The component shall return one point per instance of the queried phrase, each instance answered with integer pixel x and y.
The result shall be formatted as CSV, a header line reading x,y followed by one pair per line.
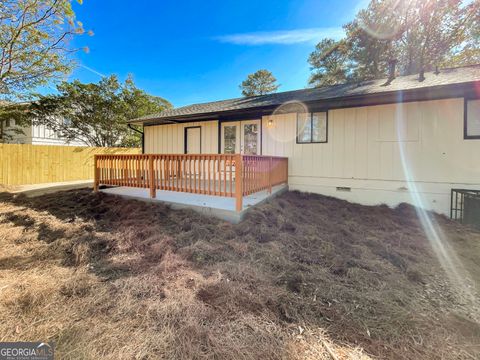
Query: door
x,y
241,137
250,137
193,140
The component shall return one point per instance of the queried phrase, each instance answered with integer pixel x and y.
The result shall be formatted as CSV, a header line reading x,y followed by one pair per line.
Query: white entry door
x,y
193,140
241,137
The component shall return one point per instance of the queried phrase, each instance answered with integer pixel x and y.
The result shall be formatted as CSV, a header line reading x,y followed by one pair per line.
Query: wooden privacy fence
x,y
22,164
209,174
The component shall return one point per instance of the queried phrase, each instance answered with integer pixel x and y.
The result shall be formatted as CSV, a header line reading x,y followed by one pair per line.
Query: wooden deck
x,y
209,174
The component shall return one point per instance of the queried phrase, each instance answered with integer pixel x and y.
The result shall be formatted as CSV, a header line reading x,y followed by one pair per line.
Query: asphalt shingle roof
x,y
448,76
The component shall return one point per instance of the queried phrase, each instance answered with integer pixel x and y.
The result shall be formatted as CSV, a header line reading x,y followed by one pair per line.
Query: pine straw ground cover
x,y
303,277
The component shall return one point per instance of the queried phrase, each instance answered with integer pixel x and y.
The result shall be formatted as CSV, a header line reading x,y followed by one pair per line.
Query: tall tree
x,y
434,30
369,39
469,53
419,34
34,48
34,42
260,82
329,63
97,114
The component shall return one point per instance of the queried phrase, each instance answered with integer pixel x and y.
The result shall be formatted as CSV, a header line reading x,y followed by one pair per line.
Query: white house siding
x,y
409,152
169,139
41,135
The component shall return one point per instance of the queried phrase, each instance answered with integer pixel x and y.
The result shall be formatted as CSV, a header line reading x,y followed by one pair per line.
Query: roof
x,y
444,78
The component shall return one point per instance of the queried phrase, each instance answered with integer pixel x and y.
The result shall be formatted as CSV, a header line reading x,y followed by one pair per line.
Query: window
x,y
472,119
312,127
250,139
230,139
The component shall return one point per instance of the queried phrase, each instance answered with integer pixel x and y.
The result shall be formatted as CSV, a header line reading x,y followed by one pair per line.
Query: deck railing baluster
x,y
211,174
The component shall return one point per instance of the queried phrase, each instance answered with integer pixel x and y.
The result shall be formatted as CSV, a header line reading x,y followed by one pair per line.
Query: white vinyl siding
x,y
411,152
384,153
170,139
472,121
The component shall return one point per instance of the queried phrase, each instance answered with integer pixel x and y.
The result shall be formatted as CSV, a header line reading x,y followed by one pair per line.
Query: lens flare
x,y
380,31
387,27
446,255
278,130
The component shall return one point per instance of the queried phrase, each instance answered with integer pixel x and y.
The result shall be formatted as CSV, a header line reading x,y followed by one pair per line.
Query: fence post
x,y
238,182
96,173
151,177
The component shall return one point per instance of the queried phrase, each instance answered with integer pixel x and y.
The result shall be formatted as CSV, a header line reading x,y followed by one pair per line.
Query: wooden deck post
x,y
270,169
151,177
238,183
286,170
96,173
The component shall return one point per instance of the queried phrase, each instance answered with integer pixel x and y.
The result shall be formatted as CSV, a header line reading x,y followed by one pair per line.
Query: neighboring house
x,y
381,141
38,135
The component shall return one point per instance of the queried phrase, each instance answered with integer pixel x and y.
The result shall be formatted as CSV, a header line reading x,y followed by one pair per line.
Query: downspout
x,y
140,132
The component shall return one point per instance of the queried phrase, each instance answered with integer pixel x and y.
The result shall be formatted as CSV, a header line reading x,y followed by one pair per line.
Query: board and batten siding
x,y
409,152
170,139
40,135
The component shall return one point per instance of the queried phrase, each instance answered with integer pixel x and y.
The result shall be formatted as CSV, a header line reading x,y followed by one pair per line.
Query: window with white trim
x,y
472,119
312,127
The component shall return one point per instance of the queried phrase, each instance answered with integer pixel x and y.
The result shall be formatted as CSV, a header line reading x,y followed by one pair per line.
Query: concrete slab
x,y
47,188
218,206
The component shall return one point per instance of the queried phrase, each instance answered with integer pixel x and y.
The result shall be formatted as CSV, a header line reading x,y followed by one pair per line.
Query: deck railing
x,y
209,174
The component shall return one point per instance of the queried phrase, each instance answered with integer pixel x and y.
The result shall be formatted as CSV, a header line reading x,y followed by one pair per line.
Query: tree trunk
x,y
1,131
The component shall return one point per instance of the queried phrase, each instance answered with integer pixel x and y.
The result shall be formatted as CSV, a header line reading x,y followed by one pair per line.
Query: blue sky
x,y
196,51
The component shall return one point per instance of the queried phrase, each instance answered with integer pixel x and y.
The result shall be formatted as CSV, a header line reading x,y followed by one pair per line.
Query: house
x,y
33,134
36,134
381,141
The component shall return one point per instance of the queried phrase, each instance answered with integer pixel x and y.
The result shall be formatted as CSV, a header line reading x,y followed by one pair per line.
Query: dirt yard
x,y
303,277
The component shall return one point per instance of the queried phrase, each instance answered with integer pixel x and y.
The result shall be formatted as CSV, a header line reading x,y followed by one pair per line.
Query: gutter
x,y
140,132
